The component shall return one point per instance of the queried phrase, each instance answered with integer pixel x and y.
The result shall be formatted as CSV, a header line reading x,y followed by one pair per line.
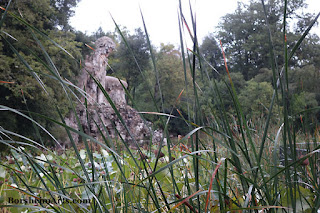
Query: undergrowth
x,y
226,163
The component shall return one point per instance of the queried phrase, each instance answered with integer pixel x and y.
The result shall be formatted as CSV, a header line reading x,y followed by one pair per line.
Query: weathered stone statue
x,y
99,111
96,64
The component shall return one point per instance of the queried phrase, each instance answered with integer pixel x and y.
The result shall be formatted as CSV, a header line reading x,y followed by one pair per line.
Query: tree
x,y
222,85
212,54
41,14
244,34
255,98
130,66
172,82
239,33
171,74
64,10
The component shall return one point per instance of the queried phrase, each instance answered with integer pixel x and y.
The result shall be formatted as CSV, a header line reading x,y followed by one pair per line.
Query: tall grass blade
x,y
3,17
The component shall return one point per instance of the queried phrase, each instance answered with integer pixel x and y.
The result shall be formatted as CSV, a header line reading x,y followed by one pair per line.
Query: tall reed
x,y
223,171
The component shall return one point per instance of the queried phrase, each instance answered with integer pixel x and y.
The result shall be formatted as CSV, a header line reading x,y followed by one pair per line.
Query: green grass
x,y
214,168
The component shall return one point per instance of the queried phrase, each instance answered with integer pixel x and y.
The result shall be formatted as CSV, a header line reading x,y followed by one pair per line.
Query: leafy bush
x,y
225,163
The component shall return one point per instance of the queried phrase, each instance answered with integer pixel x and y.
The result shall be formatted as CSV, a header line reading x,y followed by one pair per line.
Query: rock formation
x,y
99,112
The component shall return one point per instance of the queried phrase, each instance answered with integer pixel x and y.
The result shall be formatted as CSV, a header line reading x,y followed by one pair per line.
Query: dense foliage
x,y
246,119
242,33
25,92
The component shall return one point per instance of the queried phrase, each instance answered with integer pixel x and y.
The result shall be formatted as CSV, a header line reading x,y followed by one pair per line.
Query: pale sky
x,y
161,16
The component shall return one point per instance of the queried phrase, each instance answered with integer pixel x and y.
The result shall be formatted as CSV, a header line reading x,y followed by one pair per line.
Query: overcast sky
x,y
160,16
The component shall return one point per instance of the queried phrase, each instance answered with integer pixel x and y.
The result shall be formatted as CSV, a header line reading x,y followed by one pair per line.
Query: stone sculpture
x,y
100,112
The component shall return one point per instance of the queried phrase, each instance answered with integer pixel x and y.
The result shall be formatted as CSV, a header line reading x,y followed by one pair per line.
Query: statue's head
x,y
104,45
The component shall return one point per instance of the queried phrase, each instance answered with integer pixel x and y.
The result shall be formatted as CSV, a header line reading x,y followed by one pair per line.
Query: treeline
x,y
156,76
31,88
245,36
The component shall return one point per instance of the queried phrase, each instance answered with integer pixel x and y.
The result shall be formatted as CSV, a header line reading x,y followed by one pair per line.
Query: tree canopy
x,y
25,93
244,35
